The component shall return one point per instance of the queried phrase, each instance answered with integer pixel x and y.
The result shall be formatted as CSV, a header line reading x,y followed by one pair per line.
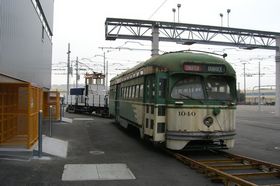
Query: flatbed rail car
x,y
92,98
180,99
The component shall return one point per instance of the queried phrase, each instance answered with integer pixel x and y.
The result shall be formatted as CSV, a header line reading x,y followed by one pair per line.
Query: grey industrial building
x,y
26,30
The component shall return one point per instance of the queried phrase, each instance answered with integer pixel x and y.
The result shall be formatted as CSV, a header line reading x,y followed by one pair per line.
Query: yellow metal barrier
x,y
19,107
51,98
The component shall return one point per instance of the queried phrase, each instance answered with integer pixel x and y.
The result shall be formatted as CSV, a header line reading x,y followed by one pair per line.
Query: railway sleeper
x,y
215,169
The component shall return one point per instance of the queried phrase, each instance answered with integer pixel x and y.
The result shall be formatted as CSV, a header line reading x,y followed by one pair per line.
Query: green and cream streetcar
x,y
181,99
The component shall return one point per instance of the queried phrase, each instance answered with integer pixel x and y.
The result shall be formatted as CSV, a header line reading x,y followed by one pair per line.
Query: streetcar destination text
x,y
204,68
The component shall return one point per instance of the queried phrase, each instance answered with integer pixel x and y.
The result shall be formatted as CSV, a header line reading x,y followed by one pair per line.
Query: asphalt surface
x,y
258,133
101,141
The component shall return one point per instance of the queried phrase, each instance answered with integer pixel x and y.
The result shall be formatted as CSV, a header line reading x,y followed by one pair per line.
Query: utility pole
x,y
77,72
106,76
104,72
244,71
259,105
68,72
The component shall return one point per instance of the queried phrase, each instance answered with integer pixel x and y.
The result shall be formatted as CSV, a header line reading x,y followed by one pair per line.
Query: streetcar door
x,y
155,100
161,88
160,108
149,102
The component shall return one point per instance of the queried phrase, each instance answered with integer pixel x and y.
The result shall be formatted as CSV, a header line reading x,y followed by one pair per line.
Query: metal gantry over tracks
x,y
233,169
188,34
183,33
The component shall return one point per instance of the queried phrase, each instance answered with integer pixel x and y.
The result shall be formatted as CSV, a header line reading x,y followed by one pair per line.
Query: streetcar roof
x,y
174,62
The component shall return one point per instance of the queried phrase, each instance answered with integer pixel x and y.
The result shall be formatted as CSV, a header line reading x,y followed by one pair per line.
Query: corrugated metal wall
x,y
47,5
25,52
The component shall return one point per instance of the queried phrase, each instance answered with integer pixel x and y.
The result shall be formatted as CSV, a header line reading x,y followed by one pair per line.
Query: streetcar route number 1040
x,y
189,113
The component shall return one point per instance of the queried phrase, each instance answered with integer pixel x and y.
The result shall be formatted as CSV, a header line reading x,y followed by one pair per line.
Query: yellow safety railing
x,y
19,107
51,98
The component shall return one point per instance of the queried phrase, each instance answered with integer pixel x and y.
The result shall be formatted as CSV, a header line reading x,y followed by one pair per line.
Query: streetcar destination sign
x,y
204,68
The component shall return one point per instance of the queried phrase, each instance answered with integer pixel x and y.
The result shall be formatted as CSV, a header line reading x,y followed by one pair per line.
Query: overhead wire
x,y
157,9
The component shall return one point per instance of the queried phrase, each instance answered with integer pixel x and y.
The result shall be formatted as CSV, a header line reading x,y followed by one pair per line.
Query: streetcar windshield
x,y
188,88
217,88
199,88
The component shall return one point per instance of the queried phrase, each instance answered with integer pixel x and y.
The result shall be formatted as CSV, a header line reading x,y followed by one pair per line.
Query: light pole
x,y
105,81
179,6
77,72
221,15
228,11
174,11
244,71
259,105
68,72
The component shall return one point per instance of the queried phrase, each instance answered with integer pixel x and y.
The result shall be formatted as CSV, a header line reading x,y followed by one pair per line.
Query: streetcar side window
x,y
137,91
141,91
153,90
148,89
162,88
126,92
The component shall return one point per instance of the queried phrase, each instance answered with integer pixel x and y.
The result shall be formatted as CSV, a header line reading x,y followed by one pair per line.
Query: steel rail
x,y
215,168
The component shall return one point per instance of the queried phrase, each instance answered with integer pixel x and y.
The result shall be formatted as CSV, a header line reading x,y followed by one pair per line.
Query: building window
x,y
147,123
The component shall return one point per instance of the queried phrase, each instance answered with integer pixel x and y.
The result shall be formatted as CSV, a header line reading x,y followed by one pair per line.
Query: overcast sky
x,y
81,22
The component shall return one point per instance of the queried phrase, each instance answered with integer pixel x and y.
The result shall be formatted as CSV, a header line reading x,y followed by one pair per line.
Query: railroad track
x,y
232,169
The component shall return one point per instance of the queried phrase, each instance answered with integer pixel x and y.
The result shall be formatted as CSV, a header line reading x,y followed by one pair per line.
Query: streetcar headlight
x,y
208,121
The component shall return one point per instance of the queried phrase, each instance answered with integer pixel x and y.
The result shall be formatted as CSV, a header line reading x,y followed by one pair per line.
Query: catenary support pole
x,y
77,72
155,41
277,59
